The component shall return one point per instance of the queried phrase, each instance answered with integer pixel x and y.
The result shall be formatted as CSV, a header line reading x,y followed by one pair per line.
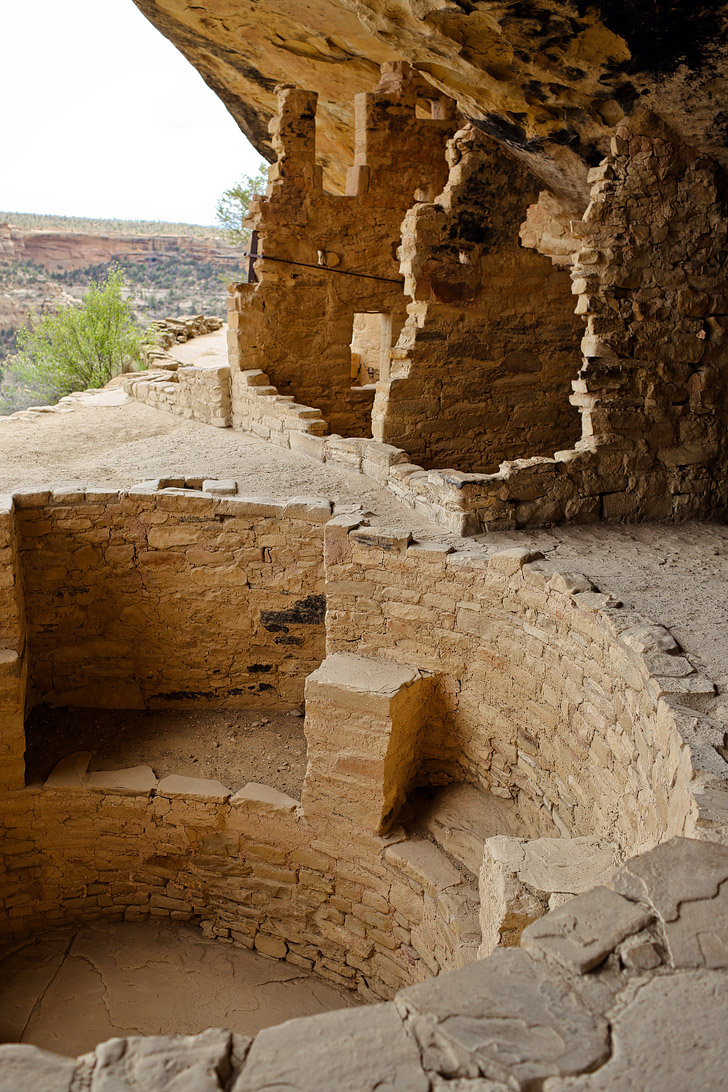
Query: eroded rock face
x,y
548,78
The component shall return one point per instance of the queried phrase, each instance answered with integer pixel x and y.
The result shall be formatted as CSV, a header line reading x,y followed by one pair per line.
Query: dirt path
x,y
207,351
110,440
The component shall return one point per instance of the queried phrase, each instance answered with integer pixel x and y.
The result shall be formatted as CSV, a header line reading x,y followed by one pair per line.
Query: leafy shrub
x,y
80,347
232,208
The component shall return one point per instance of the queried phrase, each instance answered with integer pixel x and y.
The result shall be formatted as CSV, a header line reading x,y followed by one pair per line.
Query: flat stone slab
x,y
462,817
157,1063
670,1037
315,509
264,799
70,772
581,934
566,866
424,863
27,1068
223,487
684,881
206,789
361,682
350,1051
136,779
507,1018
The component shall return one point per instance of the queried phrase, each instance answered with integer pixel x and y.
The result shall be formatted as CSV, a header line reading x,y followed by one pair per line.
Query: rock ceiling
x,y
547,78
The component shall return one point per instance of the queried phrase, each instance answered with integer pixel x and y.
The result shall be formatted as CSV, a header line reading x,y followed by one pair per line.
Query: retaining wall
x,y
195,392
171,598
549,690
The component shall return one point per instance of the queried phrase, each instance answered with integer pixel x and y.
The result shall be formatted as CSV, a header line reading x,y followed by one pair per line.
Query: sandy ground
x,y
674,574
109,440
233,746
207,351
73,988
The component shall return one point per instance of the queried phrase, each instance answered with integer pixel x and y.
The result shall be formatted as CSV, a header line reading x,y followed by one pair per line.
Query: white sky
x,y
102,117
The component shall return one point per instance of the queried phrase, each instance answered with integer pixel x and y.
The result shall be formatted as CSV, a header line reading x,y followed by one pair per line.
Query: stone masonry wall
x,y
650,277
171,598
525,680
192,392
296,322
624,988
483,370
549,691
367,912
13,653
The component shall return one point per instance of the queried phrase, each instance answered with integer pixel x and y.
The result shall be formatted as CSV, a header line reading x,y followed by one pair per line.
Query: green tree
x,y
232,208
80,346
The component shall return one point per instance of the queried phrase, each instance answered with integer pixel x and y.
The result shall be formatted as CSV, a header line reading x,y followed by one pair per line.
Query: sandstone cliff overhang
x,y
548,78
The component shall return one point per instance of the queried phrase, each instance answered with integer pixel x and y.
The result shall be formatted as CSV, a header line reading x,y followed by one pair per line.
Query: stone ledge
x,y
135,781
264,800
204,789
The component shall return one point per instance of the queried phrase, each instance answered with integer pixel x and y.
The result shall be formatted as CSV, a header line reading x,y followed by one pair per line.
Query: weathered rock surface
x,y
547,78
518,1020
521,878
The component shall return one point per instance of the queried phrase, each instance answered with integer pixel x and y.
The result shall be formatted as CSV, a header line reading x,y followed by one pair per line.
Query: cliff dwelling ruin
x,y
406,604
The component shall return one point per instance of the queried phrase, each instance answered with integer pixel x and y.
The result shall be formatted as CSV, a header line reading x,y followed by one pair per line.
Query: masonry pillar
x,y
364,720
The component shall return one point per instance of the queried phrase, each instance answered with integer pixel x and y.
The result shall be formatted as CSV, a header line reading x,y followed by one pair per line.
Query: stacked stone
x,y
573,714
592,712
483,369
187,598
175,331
364,911
13,653
196,393
650,276
296,322
260,409
589,1005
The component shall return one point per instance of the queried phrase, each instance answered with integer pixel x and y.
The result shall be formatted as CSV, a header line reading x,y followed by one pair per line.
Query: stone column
x,y
364,720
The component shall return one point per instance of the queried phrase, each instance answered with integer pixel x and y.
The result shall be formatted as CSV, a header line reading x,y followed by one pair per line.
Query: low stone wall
x,y
550,691
258,408
192,392
175,331
364,911
592,1003
172,597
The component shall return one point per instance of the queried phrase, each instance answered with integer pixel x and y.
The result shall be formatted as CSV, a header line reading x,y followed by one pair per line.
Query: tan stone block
x,y
205,790
264,800
135,780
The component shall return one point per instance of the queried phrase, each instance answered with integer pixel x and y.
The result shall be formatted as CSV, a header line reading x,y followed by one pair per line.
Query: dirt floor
x,y
232,746
73,988
109,440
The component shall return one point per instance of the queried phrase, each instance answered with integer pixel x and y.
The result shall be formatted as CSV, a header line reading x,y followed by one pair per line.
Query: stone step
x,y
460,817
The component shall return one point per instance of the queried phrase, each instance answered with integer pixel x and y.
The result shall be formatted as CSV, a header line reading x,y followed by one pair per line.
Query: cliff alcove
x,y
496,329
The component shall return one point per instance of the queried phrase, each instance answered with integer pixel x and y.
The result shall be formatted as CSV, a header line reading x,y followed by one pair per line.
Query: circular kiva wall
x,y
564,714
